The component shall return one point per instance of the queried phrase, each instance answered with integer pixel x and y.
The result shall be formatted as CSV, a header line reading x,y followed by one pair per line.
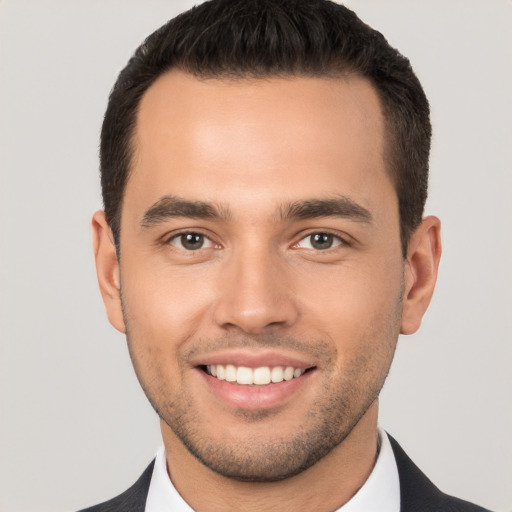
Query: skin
x,y
258,288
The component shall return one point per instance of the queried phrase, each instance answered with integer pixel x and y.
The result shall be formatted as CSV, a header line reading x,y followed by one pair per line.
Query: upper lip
x,y
255,359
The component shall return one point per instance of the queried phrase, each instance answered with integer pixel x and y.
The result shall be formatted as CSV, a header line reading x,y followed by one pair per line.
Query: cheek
x,y
162,307
354,303
161,313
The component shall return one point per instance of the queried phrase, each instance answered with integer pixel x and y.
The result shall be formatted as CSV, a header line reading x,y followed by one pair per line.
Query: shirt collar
x,y
380,492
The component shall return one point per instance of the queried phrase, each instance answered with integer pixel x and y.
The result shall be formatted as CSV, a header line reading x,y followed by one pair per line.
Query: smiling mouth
x,y
260,376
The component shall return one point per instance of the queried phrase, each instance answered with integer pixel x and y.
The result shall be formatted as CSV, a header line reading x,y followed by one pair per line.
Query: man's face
x,y
260,241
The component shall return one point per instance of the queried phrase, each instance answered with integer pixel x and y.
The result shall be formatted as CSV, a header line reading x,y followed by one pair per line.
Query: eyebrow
x,y
169,207
340,206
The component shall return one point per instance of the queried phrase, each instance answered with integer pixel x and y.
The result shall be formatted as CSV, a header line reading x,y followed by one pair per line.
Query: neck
x,y
326,486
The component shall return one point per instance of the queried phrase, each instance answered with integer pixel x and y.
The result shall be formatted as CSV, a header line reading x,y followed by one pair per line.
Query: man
x,y
264,172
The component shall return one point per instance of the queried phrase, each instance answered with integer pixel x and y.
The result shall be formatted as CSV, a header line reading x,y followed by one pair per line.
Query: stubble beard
x,y
330,421
342,402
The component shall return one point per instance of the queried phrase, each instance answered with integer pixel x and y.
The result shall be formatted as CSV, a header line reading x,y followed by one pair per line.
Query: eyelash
x,y
336,237
212,245
179,236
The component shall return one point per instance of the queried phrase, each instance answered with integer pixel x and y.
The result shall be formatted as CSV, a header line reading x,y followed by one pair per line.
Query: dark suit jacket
x,y
417,492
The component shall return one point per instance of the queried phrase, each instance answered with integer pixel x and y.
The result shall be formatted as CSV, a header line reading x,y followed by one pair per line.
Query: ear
x,y
107,269
423,255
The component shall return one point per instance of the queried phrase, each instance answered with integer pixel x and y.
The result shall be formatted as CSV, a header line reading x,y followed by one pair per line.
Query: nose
x,y
255,294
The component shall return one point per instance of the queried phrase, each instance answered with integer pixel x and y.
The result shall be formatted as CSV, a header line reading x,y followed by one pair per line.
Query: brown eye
x,y
191,241
320,241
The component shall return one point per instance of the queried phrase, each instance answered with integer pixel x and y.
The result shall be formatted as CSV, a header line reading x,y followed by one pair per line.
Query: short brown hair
x,y
262,38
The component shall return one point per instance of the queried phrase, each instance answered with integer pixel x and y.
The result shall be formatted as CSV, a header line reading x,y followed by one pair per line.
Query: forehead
x,y
280,138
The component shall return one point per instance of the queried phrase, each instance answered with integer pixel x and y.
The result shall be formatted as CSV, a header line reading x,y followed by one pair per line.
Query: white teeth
x,y
262,375
288,373
244,375
277,374
230,373
254,376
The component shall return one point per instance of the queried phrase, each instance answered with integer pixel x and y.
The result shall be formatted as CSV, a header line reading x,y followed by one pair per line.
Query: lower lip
x,y
255,397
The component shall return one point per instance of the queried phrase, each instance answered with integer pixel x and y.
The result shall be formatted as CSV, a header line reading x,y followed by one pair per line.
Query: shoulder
x,y
131,500
419,494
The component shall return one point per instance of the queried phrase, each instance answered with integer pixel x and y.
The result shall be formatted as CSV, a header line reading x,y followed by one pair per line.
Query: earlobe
x,y
107,270
424,253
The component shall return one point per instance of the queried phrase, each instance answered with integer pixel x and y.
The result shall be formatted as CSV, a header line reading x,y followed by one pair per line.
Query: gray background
x,y
75,427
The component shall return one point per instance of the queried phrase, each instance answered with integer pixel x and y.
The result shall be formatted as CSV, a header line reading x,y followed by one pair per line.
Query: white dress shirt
x,y
380,492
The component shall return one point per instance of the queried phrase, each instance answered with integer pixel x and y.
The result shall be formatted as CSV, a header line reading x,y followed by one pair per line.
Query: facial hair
x,y
346,394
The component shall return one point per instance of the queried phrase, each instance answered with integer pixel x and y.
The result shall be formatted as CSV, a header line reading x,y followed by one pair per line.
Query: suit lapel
x,y
132,500
417,492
